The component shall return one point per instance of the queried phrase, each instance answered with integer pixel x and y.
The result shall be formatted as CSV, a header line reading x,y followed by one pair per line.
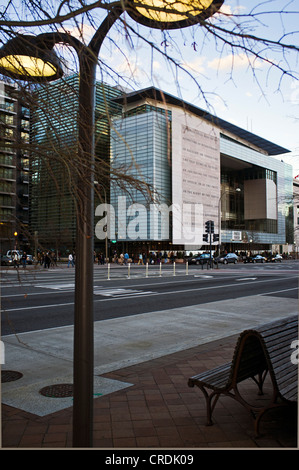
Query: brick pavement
x,y
159,411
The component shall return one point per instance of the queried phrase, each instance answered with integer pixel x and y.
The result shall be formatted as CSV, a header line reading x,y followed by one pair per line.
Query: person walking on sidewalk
x,y
15,260
71,260
47,261
24,260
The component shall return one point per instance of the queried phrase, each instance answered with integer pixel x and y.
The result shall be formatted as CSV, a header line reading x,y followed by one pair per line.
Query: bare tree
x,y
231,29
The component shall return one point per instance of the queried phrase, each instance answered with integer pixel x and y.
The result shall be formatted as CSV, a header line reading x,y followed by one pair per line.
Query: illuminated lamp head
x,y
171,14
27,58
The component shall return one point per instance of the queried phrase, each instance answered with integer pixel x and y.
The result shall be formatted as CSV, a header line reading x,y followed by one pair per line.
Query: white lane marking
x,y
120,292
155,294
55,286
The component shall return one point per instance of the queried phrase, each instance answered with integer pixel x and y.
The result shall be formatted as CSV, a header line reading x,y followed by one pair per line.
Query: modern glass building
x,y
14,168
140,145
202,168
54,137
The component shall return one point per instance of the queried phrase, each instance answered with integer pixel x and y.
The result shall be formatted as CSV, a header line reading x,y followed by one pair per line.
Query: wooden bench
x,y
258,352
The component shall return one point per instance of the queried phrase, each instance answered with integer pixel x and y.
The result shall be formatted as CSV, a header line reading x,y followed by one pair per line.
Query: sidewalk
x,y
158,411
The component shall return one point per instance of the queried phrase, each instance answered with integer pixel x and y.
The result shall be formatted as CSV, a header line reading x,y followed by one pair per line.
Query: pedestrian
x,y
126,257
140,259
15,260
24,259
71,260
53,259
47,260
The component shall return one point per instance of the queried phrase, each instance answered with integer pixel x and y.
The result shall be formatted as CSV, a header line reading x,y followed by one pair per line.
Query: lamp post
x,y
106,238
33,58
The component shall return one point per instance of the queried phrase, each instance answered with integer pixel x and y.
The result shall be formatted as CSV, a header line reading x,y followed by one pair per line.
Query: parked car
x,y
10,254
274,258
258,259
29,259
5,260
228,258
201,259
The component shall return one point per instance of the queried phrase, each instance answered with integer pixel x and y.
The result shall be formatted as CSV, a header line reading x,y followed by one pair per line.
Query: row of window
x,y
8,173
7,106
6,200
7,187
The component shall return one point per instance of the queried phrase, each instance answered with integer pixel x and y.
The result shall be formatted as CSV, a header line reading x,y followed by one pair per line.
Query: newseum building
x,y
192,167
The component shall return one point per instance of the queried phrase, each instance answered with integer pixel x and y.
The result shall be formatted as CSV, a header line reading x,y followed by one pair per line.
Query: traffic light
x,y
209,226
215,237
205,237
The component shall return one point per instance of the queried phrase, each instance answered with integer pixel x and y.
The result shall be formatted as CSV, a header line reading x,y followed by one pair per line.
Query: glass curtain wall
x,y
54,134
140,144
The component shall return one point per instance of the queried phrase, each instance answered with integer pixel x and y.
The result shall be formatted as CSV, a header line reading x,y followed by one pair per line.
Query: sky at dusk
x,y
231,83
235,86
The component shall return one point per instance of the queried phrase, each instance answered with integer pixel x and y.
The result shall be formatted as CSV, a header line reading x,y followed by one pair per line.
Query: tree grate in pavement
x,y
57,391
10,376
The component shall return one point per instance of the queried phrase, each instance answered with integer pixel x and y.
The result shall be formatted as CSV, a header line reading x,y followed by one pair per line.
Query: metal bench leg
x,y
211,400
260,381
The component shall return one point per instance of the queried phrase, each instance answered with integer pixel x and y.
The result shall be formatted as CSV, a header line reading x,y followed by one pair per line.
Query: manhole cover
x,y
57,391
10,375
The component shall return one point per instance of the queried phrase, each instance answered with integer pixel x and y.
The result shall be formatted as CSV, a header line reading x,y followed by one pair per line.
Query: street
x,y
36,299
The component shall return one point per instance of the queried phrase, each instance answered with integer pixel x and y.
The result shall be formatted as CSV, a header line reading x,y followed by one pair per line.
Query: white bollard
x,y
174,268
146,270
187,267
160,268
129,270
108,271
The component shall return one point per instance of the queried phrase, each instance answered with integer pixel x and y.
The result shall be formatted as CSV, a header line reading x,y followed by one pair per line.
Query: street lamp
x,y
33,58
106,237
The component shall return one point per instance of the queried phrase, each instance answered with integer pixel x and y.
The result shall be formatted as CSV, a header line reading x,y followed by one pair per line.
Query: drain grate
x,y
57,391
10,375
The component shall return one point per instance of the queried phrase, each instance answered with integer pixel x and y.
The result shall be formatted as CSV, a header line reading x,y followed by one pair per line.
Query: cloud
x,y
233,61
83,32
195,66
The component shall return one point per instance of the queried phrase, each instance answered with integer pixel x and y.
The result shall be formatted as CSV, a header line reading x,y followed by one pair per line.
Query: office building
x,y
14,168
204,168
54,132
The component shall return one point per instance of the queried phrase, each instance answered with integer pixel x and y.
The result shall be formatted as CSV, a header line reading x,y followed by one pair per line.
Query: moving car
x,y
228,258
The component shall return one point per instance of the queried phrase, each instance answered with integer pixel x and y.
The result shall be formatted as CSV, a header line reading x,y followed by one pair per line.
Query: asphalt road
x,y
37,299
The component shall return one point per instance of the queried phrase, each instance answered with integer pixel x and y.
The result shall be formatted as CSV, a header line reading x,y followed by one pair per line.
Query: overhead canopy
x,y
154,93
